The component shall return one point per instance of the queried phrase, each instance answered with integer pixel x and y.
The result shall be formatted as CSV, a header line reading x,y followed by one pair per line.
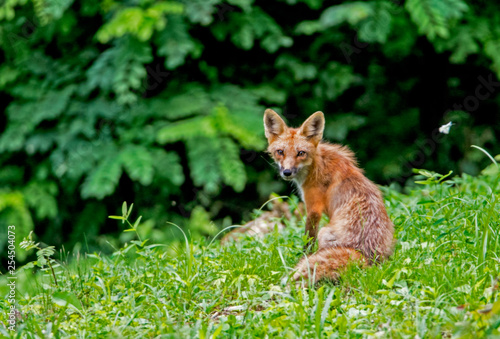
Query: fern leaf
x,y
242,125
138,163
186,129
335,79
103,179
50,10
139,22
491,48
200,11
23,118
377,27
248,27
231,167
352,13
433,17
192,101
121,70
8,75
168,166
8,9
175,43
41,197
202,153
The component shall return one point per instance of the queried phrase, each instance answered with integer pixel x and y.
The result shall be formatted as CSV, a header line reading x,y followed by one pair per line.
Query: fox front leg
x,y
312,223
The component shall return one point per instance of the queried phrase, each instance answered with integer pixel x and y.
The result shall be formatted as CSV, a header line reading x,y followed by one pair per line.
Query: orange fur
x,y
330,182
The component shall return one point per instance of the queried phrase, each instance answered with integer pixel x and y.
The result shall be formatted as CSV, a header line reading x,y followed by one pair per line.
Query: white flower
x,y
445,128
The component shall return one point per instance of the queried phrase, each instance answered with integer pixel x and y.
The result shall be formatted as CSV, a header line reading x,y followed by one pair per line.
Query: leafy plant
x,y
44,256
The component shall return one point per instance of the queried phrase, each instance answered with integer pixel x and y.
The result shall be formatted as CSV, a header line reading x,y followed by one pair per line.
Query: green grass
x,y
442,281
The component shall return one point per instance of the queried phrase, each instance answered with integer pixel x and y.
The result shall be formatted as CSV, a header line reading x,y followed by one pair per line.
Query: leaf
x,y
203,153
269,94
186,129
50,10
301,71
391,281
120,69
239,125
168,166
231,167
103,179
339,127
175,43
200,12
491,48
309,27
138,163
376,28
42,197
462,43
137,21
248,27
192,101
200,224
352,12
137,222
14,211
434,17
8,74
65,299
335,79
117,217
124,209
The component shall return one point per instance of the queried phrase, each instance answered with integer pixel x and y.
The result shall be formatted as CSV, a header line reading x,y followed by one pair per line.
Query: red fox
x,y
329,181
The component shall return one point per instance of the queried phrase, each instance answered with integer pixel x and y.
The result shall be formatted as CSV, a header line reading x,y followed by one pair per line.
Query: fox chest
x,y
316,199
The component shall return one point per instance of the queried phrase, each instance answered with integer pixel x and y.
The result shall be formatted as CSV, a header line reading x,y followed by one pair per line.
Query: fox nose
x,y
287,172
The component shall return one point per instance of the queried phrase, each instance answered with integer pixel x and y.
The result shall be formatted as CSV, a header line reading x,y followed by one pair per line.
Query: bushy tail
x,y
327,263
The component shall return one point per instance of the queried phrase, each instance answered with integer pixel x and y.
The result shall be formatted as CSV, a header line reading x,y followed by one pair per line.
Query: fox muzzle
x,y
288,173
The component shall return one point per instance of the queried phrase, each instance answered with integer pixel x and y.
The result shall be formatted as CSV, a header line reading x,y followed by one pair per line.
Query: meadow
x,y
441,282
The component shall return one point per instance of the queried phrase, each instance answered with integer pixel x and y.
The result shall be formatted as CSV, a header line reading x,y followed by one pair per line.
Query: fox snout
x,y
288,173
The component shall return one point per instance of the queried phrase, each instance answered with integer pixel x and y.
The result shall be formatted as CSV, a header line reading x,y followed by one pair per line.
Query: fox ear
x,y
313,127
273,124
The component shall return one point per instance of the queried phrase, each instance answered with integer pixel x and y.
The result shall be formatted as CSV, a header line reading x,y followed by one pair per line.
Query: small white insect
x,y
445,129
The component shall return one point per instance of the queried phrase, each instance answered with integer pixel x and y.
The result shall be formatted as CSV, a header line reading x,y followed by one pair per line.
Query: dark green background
x,y
160,103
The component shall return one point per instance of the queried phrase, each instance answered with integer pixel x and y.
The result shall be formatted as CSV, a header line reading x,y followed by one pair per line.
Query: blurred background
x,y
160,104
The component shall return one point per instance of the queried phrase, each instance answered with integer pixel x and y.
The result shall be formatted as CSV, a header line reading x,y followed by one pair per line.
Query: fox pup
x,y
329,181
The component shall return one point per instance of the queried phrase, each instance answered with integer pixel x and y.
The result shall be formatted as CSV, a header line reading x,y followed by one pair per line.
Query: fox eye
x,y
301,153
280,152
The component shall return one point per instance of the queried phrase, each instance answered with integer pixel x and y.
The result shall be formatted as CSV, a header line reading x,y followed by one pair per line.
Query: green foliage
x,y
441,281
7,11
220,118
120,70
103,179
251,26
44,256
138,163
372,20
175,43
163,100
138,22
434,18
50,10
14,211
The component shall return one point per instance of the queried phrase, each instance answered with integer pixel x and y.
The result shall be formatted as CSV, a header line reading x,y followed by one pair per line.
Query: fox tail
x,y
327,263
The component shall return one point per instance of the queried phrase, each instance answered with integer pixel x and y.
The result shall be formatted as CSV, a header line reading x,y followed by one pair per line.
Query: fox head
x,y
293,149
